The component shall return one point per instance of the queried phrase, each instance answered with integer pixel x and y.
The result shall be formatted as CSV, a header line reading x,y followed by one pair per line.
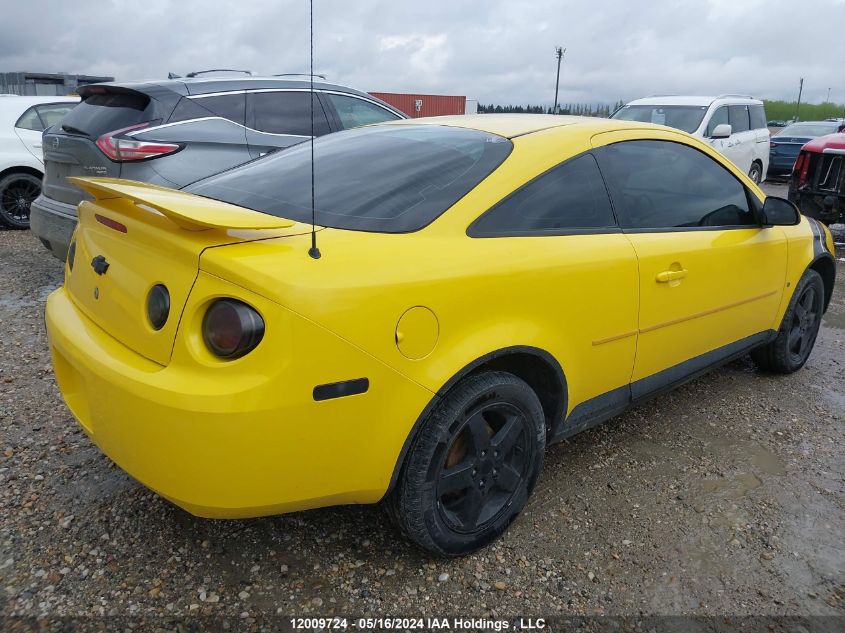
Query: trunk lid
x,y
133,236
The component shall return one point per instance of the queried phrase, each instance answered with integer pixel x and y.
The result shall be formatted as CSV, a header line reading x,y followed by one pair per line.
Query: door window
x,y
739,119
719,116
665,185
288,113
354,112
569,196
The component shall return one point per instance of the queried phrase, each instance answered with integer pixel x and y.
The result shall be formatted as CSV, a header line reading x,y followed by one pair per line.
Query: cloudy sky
x,y
495,51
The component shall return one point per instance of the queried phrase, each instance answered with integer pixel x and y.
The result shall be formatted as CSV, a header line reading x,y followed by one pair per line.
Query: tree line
x,y
579,109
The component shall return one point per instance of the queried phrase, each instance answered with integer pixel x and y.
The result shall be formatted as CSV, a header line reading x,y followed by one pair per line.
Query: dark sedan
x,y
786,144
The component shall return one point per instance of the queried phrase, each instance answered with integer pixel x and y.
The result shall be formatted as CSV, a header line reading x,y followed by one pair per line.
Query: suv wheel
x,y
798,330
756,172
17,191
472,466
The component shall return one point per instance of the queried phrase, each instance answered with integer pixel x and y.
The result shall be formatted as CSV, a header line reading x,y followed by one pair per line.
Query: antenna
x,y
314,252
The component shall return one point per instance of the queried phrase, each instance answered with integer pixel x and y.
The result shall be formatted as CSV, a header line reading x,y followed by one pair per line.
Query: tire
x,y
756,172
798,330
457,492
17,191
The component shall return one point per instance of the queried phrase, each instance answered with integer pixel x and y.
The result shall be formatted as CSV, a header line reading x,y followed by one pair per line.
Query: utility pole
x,y
559,54
800,88
828,96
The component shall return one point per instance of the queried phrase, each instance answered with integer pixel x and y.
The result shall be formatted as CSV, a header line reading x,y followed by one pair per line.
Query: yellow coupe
x,y
483,285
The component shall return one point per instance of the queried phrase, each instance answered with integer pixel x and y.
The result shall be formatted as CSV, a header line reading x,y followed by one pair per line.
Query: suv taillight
x,y
802,164
127,149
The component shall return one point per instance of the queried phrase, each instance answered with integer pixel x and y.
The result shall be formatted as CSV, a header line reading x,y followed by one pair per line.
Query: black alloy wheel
x,y
17,191
472,465
797,333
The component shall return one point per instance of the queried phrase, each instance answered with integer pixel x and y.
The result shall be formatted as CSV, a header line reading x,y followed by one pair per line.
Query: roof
x,y
512,125
831,142
690,100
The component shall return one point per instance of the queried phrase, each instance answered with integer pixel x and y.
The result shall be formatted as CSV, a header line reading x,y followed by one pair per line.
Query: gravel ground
x,y
724,497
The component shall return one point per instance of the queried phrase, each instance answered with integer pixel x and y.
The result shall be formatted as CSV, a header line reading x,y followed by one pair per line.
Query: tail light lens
x,y
122,150
800,168
231,328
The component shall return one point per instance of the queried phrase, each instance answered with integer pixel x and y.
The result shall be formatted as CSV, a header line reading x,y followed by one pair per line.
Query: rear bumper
x,y
249,444
53,223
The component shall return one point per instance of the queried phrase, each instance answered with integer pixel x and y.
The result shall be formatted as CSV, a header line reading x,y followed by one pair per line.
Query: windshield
x,y
390,179
686,118
810,130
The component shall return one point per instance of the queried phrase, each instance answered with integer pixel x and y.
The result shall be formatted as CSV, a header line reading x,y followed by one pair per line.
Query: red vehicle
x,y
817,184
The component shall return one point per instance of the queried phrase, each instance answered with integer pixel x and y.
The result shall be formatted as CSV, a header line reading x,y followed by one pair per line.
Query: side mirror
x,y
780,212
723,130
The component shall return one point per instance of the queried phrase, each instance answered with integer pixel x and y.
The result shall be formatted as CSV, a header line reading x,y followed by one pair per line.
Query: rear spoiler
x,y
186,210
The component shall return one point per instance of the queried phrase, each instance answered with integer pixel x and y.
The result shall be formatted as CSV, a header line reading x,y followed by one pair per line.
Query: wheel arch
x,y
21,169
826,268
535,366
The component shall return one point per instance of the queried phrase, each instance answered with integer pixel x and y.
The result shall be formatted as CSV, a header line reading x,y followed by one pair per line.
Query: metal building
x,y
45,84
416,105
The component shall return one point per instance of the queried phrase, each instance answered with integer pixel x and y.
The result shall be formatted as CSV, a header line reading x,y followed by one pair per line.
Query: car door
x,y
742,143
581,277
710,277
729,147
280,118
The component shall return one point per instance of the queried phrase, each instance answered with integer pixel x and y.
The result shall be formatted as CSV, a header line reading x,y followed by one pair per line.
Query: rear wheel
x,y
756,172
473,465
17,191
798,331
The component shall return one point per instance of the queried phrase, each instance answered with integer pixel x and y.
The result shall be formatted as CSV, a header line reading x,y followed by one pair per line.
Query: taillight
x,y
231,328
127,149
772,144
801,167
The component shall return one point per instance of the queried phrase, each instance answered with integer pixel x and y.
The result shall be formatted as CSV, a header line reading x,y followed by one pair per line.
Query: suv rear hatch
x,y
134,236
70,148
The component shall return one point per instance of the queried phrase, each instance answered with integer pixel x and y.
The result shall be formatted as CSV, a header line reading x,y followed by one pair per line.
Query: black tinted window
x,y
231,106
667,185
390,179
719,117
107,112
287,113
758,117
739,118
570,196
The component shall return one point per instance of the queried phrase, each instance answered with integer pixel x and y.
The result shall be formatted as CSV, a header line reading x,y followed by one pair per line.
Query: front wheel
x,y
798,330
17,191
756,172
472,466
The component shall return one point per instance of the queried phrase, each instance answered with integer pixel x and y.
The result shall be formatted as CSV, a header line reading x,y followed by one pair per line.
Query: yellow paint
x,y
245,437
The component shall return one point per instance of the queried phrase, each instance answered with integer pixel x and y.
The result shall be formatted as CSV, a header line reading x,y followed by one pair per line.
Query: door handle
x,y
671,275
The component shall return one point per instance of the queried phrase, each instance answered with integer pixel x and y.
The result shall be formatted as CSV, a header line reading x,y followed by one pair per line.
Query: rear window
x,y
389,179
810,130
101,113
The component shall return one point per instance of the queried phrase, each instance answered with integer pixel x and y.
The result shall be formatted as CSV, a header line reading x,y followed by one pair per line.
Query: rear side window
x,y
230,106
287,113
29,120
107,112
758,117
354,112
570,196
386,179
739,118
52,113
666,185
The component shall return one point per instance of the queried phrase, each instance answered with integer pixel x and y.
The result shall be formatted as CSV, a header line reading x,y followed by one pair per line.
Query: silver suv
x,y
176,132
